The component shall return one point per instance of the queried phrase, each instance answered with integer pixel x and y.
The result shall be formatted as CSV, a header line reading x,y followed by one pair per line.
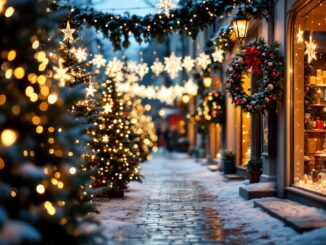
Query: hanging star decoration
x,y
188,63
114,66
99,61
173,65
311,49
107,108
157,67
165,6
80,54
61,73
218,55
203,60
300,35
68,33
142,70
90,90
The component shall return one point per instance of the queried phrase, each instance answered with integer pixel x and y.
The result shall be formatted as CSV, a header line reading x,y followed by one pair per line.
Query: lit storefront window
x,y
309,73
244,133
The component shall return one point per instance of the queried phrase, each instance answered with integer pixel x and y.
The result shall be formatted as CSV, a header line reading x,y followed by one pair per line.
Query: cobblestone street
x,y
176,211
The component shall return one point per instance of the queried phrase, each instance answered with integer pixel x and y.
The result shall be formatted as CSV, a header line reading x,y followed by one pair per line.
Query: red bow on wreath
x,y
251,55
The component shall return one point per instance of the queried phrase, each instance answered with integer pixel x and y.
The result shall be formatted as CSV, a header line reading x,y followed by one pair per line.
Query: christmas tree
x,y
145,138
113,158
41,200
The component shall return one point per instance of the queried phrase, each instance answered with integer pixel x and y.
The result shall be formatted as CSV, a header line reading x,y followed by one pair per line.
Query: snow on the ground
x,y
268,186
255,226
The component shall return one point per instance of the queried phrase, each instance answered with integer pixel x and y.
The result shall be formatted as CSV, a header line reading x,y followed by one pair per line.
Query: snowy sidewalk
x,y
181,202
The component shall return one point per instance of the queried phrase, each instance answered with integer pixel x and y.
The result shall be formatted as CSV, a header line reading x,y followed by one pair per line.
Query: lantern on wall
x,y
240,25
207,81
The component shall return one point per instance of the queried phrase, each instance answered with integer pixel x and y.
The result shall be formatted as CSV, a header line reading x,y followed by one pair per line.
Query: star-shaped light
x,y
107,108
142,70
165,6
157,67
105,139
61,73
218,55
203,60
300,35
90,90
99,61
80,54
68,33
311,49
173,65
114,66
188,63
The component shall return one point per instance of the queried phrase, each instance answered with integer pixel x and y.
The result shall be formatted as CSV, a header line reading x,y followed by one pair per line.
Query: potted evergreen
x,y
254,170
229,162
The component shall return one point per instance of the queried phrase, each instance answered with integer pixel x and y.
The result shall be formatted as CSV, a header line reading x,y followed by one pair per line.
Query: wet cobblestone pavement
x,y
176,210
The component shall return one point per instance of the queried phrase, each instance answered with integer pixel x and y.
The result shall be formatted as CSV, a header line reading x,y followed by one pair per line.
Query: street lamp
x,y
207,81
240,25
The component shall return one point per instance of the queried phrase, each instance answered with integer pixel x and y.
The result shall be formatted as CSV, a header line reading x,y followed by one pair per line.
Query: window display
x,y
310,98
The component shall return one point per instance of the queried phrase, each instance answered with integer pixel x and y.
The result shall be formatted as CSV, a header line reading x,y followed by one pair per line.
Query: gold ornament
x,y
311,49
68,33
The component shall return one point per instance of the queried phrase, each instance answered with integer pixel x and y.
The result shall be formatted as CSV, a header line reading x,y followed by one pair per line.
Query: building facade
x,y
291,141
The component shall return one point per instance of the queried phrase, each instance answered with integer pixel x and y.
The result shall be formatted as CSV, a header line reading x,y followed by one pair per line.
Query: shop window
x,y
309,101
244,132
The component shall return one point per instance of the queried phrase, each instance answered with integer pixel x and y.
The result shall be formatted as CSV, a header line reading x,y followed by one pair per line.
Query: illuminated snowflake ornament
x,y
311,49
68,33
99,61
173,65
188,63
113,67
61,73
203,60
142,70
218,55
80,54
132,66
300,35
118,77
157,67
131,78
165,6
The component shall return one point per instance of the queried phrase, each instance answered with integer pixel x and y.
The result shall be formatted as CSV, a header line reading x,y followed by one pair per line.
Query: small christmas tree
x,y
115,162
40,199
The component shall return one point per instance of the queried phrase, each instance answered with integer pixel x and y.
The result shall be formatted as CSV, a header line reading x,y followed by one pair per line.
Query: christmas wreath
x,y
267,66
211,109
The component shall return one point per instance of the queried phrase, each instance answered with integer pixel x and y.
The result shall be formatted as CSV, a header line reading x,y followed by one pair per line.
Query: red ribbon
x,y
251,55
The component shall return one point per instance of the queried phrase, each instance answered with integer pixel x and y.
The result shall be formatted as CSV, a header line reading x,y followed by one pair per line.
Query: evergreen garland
x,y
188,19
